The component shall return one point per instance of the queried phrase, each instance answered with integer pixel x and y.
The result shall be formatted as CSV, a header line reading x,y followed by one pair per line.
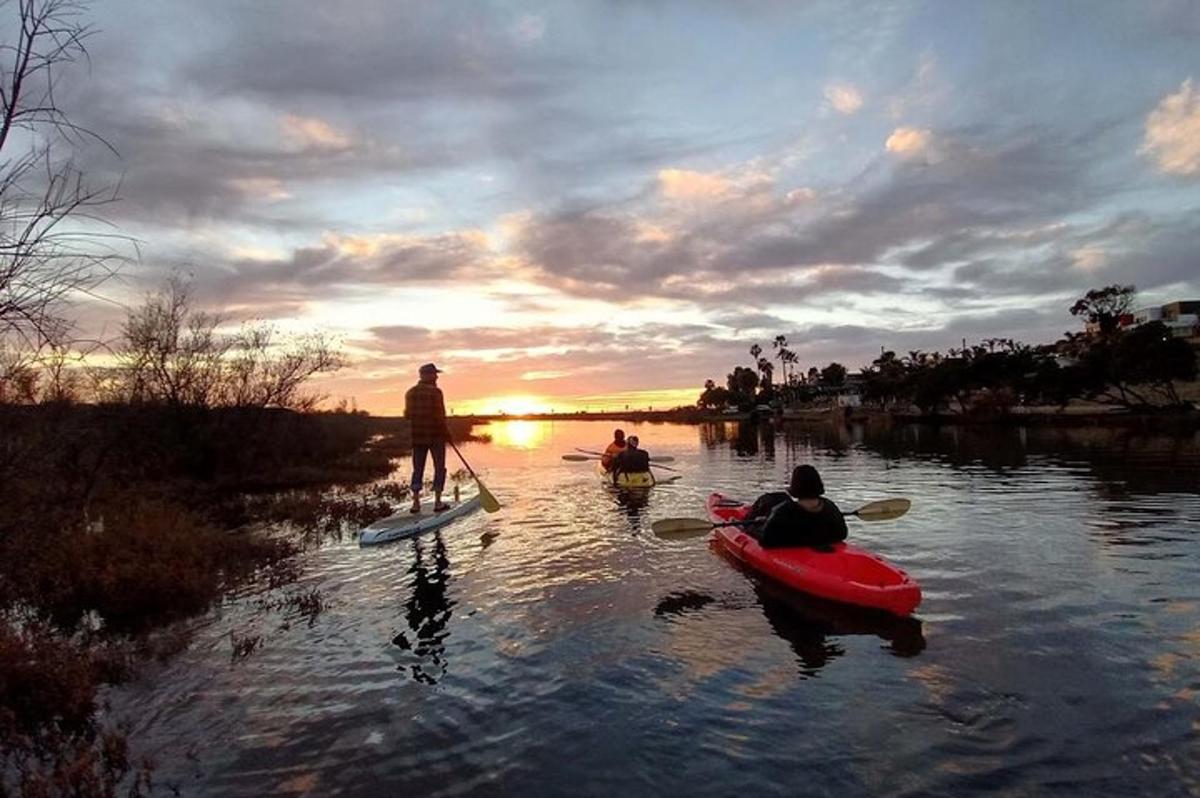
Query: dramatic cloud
x,y
542,195
844,98
1173,132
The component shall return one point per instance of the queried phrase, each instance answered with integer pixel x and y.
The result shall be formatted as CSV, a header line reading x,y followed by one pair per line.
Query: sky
x,y
599,204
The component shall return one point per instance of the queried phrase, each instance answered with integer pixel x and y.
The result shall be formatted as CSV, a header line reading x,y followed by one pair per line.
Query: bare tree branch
x,y
46,257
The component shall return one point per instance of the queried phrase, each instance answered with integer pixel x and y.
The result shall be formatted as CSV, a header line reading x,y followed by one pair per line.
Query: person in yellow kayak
x,y
425,409
631,460
616,447
799,516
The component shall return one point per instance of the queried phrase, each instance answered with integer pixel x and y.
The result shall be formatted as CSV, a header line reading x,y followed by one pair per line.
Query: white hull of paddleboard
x,y
405,524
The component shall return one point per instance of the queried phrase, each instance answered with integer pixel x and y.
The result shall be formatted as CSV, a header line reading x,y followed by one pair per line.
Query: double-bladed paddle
x,y
665,458
579,458
682,528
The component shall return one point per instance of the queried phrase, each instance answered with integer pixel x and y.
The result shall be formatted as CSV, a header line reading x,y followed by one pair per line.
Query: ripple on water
x,y
558,647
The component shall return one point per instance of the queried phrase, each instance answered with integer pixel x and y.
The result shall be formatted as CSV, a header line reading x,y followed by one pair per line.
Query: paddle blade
x,y
486,500
884,510
681,528
577,458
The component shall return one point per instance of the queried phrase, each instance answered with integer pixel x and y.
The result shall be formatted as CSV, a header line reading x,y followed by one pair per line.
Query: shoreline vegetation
x,y
1123,365
1121,371
1070,417
139,495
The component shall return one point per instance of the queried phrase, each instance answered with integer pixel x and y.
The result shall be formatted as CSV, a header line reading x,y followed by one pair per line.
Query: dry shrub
x,y
49,740
153,562
320,516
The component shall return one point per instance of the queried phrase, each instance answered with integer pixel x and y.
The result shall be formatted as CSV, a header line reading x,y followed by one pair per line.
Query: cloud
x,y
980,196
270,189
844,98
688,185
908,142
1089,259
342,265
312,132
1172,136
529,28
380,50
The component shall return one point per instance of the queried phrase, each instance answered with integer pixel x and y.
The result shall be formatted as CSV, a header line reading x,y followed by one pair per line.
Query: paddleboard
x,y
405,524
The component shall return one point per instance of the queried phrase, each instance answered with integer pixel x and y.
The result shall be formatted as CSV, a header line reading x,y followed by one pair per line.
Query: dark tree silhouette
x,y
1105,306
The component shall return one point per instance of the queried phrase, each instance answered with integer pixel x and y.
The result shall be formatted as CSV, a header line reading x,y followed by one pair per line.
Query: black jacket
x,y
788,524
631,461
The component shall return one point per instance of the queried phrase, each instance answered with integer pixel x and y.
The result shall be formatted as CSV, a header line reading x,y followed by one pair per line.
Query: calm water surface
x,y
559,648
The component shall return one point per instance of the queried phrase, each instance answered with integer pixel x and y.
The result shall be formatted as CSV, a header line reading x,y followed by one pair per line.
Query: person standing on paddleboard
x,y
425,409
631,460
615,448
798,516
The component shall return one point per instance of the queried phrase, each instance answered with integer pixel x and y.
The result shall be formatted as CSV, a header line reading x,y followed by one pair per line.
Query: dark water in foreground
x,y
1058,645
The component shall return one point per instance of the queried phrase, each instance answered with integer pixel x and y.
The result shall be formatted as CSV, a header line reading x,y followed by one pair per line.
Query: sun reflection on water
x,y
519,434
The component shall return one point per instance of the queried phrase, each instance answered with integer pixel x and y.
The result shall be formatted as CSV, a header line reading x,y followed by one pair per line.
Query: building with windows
x,y
1182,318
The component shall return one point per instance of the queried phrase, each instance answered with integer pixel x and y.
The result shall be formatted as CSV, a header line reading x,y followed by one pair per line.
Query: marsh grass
x,y
116,522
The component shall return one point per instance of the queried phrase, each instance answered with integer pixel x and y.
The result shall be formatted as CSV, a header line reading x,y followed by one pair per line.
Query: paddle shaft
x,y
886,509
466,465
578,458
486,498
664,458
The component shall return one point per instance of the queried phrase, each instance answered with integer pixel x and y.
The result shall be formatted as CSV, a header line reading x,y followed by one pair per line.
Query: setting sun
x,y
518,434
503,405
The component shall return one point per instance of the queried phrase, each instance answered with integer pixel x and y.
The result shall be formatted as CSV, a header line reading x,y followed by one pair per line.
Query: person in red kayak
x,y
425,409
616,447
631,460
798,516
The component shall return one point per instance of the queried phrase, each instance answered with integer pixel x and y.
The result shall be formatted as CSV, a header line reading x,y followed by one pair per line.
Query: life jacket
x,y
612,451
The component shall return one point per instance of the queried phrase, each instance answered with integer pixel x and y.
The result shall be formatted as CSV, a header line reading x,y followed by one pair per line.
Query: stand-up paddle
x,y
486,499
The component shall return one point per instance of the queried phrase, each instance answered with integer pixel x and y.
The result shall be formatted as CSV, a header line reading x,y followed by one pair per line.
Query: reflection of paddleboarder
x,y
425,409
428,611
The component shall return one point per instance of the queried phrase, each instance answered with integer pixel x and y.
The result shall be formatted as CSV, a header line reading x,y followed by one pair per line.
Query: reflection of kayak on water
x,y
791,612
842,572
405,524
805,622
636,479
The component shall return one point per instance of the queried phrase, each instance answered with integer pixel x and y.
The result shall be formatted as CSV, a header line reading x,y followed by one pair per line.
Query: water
x,y
559,648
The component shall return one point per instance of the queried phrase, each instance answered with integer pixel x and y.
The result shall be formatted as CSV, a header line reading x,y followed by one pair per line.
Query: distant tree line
x,y
1135,367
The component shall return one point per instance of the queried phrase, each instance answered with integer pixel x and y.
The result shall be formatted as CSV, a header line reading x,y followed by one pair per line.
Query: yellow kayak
x,y
637,479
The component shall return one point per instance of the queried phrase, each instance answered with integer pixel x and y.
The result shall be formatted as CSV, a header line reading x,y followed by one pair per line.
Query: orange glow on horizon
x,y
523,404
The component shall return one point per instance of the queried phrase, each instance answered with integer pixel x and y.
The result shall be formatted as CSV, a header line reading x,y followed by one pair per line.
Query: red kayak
x,y
845,573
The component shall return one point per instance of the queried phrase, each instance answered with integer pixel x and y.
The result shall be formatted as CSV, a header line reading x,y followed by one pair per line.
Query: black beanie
x,y
806,483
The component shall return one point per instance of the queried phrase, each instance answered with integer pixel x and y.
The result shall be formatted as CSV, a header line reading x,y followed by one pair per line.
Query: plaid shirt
x,y
426,413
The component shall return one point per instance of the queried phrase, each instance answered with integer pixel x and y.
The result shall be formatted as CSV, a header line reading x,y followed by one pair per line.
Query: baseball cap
x,y
429,368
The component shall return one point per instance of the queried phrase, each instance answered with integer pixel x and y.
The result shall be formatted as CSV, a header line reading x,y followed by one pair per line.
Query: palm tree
x,y
780,346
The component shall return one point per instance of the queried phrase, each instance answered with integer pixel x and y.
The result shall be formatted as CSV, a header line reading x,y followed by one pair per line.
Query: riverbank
x,y
681,415
1069,417
119,521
